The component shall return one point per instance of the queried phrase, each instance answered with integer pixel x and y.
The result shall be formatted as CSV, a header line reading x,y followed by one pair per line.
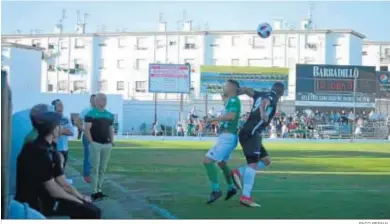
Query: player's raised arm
x,y
246,91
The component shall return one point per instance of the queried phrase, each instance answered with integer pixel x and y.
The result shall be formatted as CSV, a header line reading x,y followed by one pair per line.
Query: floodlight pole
x,y
354,109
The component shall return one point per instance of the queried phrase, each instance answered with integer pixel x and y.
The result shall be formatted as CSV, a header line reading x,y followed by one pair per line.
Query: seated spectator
x,y
284,131
40,180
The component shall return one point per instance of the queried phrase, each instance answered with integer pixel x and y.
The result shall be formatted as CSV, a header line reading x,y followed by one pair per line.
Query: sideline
x,y
139,200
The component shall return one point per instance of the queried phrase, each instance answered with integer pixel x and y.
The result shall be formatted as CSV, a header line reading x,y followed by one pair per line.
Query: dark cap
x,y
37,110
46,122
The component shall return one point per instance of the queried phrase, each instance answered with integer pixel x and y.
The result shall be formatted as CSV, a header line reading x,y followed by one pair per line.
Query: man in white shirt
x,y
87,164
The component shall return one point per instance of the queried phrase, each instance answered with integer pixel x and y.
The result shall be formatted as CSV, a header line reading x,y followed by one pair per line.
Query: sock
x,y
241,169
228,176
213,175
249,180
260,165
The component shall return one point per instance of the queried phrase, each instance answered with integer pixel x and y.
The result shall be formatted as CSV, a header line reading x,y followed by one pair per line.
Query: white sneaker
x,y
70,181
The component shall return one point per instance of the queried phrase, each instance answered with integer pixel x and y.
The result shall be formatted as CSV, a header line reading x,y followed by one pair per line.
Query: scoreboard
x,y
341,85
335,85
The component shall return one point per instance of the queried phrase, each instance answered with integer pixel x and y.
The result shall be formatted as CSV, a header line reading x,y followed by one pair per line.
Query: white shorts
x,y
222,150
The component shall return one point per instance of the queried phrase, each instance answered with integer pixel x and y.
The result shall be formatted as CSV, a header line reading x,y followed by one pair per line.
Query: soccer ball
x,y
264,30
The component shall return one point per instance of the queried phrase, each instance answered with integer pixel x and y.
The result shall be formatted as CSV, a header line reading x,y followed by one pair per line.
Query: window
x,y
276,40
189,42
64,45
121,42
120,63
102,65
192,87
36,43
79,43
292,42
278,62
103,86
235,62
291,62
258,42
141,43
51,68
50,88
17,41
235,40
364,53
159,43
217,41
120,85
103,42
214,61
79,64
254,62
62,85
78,85
383,68
387,52
189,61
172,41
50,46
140,86
141,64
312,59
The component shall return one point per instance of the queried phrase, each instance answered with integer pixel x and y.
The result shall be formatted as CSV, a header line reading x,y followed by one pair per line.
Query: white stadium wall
x,y
24,65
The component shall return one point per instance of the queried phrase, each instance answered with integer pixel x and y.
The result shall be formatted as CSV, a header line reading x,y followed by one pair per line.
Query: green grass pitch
x,y
305,180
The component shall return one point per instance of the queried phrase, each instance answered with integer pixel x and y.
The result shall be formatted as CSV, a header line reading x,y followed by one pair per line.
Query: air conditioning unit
x,y
311,46
50,46
189,46
51,68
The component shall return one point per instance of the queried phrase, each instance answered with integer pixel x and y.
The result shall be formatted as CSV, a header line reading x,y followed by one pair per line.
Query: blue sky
x,y
369,18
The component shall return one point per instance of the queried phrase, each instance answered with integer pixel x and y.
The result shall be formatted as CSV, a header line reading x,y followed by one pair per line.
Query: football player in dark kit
x,y
263,110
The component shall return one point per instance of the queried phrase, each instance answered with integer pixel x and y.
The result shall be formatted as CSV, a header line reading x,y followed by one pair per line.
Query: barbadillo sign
x,y
329,72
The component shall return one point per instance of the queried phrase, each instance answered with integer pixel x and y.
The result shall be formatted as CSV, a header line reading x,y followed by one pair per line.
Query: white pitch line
x,y
322,172
322,191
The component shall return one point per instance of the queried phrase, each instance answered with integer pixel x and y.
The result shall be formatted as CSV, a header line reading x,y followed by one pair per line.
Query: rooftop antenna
x,y
85,17
310,17
160,17
206,26
184,15
63,16
78,16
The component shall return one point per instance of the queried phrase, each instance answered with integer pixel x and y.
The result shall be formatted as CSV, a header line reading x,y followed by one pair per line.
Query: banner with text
x,y
212,78
169,78
335,86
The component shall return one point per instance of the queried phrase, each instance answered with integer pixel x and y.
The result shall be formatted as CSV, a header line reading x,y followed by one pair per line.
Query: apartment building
x,y
117,63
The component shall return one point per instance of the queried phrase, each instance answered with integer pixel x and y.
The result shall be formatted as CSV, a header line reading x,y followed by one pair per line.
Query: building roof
x,y
376,42
7,44
211,32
